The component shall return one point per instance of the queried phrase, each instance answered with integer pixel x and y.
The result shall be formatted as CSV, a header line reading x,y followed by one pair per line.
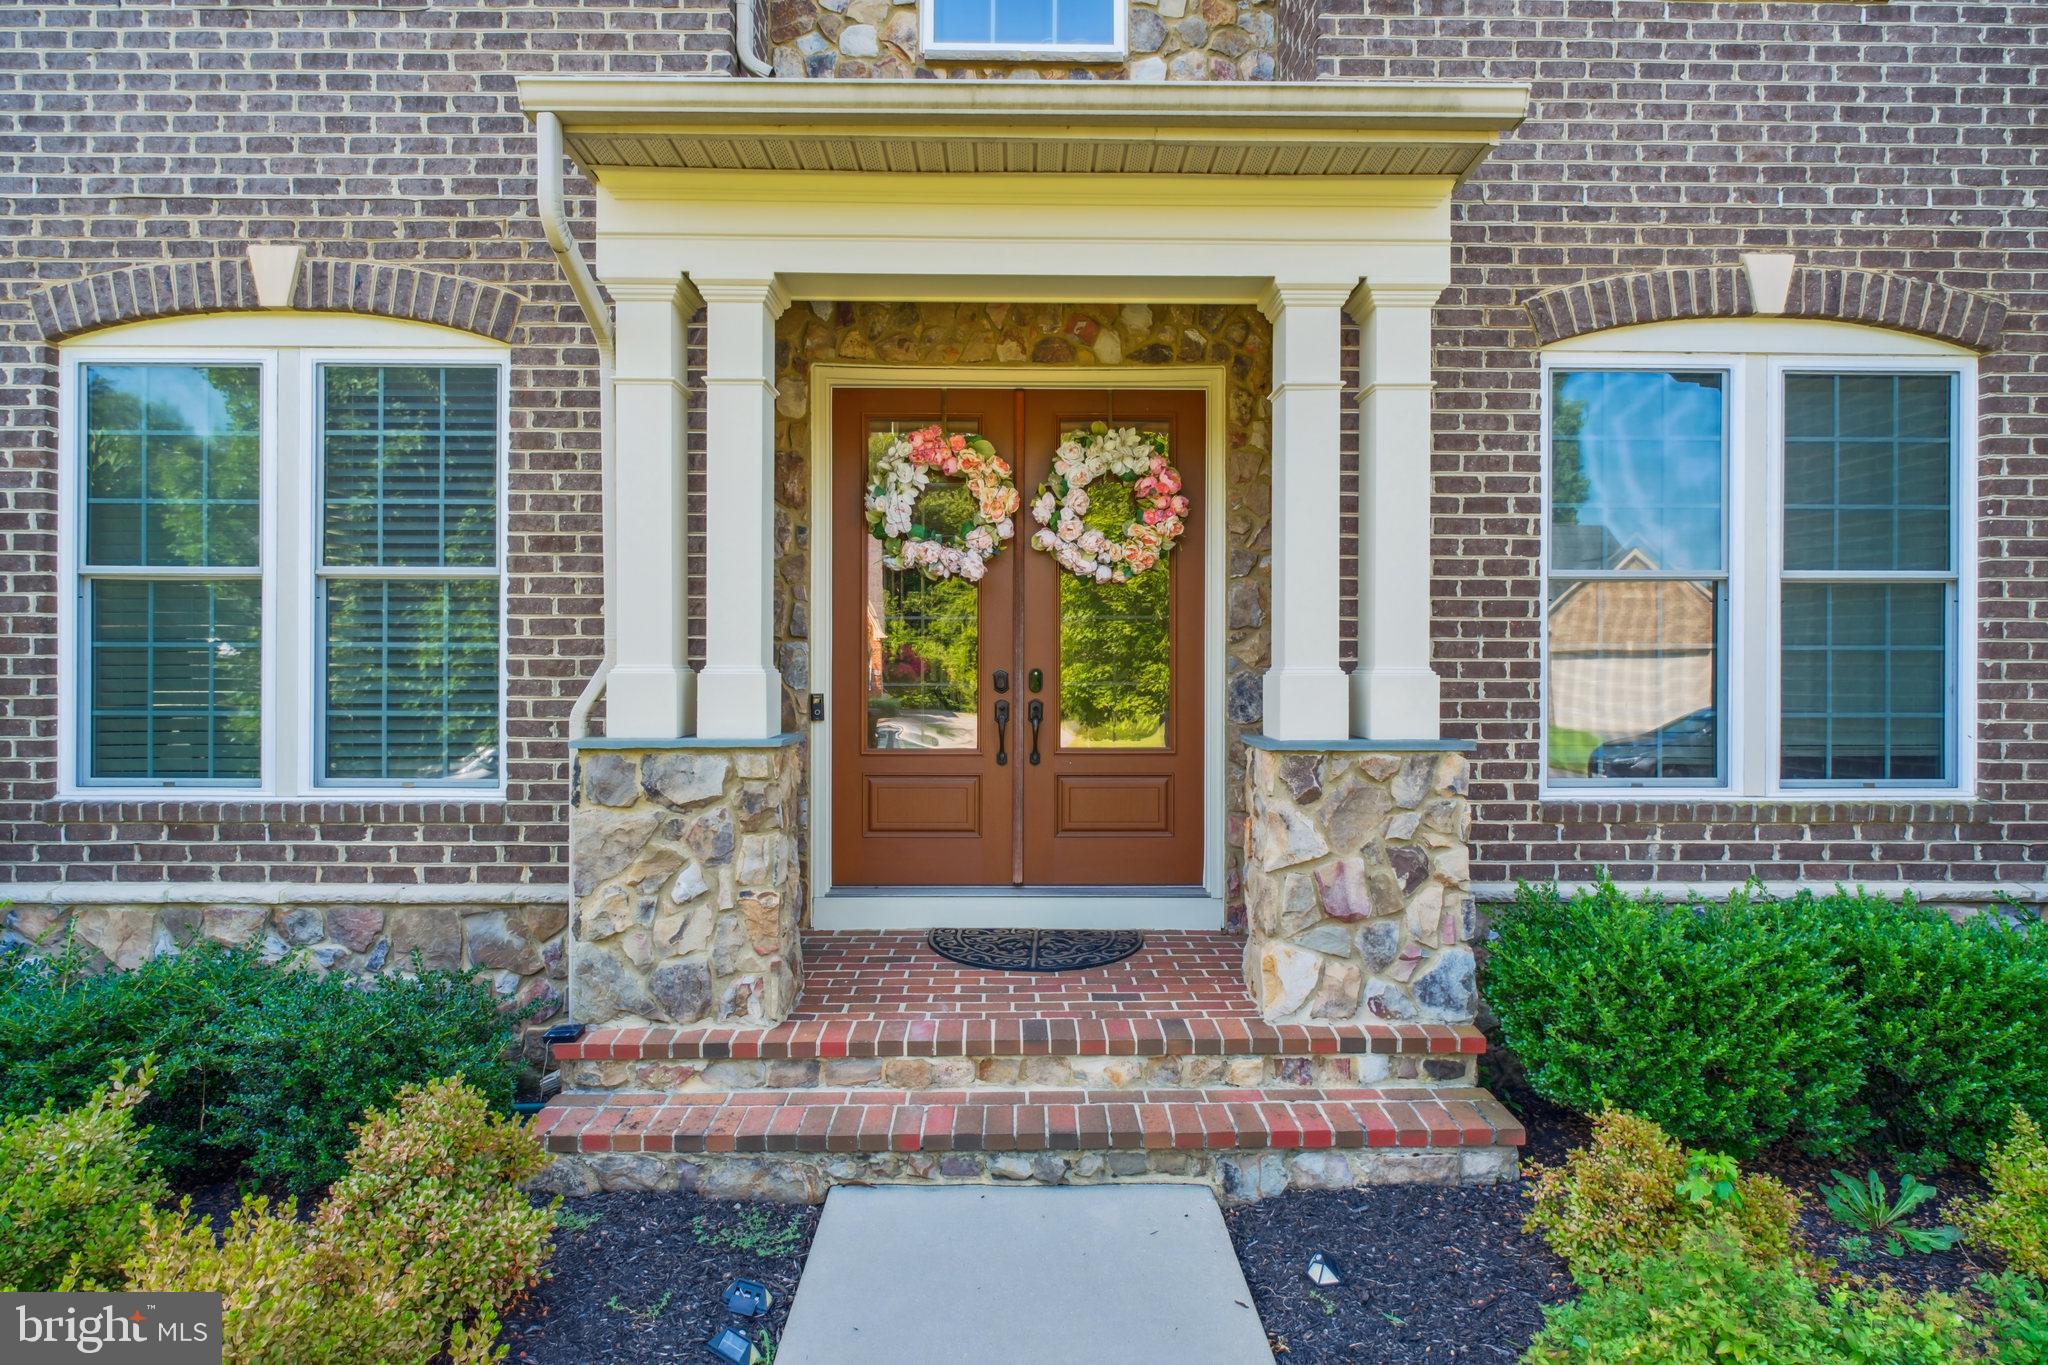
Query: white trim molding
x,y
1932,893
66,894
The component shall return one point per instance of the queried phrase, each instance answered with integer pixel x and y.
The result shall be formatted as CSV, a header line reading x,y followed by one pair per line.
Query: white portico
x,y
1306,200
1307,203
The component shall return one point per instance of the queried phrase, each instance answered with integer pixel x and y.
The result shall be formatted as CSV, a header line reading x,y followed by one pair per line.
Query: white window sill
x,y
1812,796
1089,55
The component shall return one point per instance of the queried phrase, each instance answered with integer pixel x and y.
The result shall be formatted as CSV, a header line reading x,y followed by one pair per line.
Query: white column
x,y
739,692
649,694
1395,692
1307,694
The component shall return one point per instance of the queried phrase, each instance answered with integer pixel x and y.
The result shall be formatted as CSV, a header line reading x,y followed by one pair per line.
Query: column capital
x,y
769,293
1282,294
1369,298
675,292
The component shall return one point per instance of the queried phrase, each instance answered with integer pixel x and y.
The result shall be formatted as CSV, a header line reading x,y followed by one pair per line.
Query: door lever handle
x,y
1003,734
1035,710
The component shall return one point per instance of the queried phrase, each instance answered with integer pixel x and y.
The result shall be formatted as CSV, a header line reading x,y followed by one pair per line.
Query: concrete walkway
x,y
973,1275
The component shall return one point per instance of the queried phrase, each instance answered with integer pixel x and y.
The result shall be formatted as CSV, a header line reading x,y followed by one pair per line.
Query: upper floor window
x,y
1088,30
285,563
1758,564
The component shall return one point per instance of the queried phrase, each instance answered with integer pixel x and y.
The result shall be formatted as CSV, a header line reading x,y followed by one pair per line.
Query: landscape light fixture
x,y
732,1346
1322,1272
748,1298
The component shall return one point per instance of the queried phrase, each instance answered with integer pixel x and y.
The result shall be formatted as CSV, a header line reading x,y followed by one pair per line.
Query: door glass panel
x,y
921,638
1116,657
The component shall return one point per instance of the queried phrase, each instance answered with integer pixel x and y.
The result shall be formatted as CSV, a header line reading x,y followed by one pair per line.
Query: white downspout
x,y
746,25
554,221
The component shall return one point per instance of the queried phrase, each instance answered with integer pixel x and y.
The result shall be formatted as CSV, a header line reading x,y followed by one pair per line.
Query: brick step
x,y
1212,1036
846,1121
1090,1054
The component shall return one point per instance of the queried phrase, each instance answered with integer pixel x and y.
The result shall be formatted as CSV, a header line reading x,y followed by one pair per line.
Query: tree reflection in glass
x,y
1116,658
923,640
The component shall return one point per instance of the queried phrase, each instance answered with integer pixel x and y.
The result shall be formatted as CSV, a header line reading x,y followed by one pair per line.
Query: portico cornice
x,y
1323,129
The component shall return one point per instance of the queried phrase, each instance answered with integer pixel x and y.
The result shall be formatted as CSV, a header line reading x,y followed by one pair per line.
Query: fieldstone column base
x,y
686,883
1358,882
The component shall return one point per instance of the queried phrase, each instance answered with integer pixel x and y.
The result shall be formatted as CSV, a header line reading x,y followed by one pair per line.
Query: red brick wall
x,y
144,132
1889,137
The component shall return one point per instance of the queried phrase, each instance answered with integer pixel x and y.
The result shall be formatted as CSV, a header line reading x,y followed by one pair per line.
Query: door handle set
x,y
1034,711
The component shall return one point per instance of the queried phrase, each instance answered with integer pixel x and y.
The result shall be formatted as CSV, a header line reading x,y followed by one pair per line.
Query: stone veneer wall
x,y
1358,883
1134,336
523,949
1236,1176
687,883
1180,40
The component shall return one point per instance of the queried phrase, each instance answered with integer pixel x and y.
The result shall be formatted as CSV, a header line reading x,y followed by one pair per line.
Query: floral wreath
x,y
899,468
1139,459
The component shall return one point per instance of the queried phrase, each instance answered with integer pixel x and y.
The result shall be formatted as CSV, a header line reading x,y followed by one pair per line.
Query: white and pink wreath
x,y
1138,459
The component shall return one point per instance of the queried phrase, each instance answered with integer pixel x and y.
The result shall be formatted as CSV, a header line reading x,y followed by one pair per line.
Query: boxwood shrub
x,y
1727,1024
1820,1018
1951,1017
259,1068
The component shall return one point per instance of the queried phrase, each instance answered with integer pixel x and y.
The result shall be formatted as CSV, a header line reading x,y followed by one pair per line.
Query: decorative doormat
x,y
1035,950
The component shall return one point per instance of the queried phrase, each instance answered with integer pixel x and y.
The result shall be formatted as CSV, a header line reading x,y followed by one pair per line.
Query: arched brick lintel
x,y
171,288
1863,296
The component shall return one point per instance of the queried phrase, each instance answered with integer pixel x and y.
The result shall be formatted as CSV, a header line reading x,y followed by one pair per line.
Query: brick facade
x,y
147,143
1888,139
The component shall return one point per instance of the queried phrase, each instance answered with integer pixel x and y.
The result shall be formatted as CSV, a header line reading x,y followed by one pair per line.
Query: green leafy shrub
x,y
260,1068
1707,1302
1633,1192
2014,1220
1950,1018
1727,1024
2015,1319
433,1189
74,1188
411,1258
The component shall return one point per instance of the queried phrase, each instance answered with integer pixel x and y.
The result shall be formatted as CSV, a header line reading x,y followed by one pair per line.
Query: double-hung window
x,y
285,565
1757,565
997,30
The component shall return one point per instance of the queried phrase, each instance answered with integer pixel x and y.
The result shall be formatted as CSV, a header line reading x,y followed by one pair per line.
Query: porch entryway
x,y
1031,729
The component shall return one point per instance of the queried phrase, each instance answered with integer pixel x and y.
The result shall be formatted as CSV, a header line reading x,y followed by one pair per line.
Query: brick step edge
x,y
1019,1121
828,1039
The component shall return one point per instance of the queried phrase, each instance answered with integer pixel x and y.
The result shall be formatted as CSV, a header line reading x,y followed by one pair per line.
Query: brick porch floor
x,y
888,995
1181,974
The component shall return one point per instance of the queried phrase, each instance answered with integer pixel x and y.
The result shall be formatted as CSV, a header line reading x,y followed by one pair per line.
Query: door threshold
x,y
1005,907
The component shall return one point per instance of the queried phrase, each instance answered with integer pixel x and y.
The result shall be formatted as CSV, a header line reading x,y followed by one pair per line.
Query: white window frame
x,y
293,656
1757,355
1114,51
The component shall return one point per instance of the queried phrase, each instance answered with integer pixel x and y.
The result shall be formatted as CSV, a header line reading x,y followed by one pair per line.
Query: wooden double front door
x,y
1035,728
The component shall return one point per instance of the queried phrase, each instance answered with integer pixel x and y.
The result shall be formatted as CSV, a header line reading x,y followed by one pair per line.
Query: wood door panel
x,y
1099,772
923,805
1111,795
917,796
1115,805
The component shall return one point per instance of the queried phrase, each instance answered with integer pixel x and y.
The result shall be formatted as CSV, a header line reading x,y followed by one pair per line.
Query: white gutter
x,y
554,221
746,24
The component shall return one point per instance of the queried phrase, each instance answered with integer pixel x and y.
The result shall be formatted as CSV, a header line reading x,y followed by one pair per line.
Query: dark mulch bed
x,y
1430,1273
644,1281
1433,1274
